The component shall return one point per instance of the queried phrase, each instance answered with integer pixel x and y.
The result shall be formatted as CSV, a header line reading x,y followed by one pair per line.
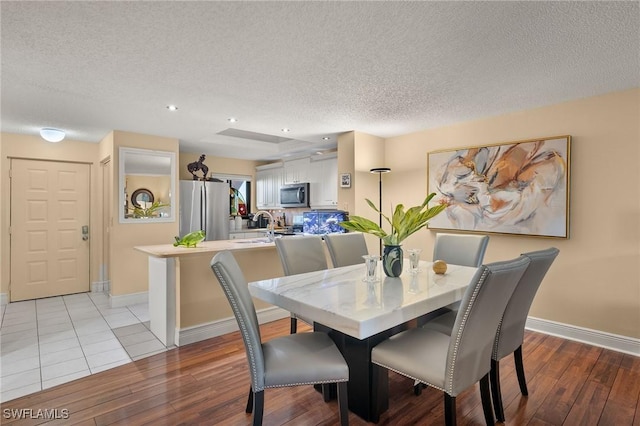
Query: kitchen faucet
x,y
270,234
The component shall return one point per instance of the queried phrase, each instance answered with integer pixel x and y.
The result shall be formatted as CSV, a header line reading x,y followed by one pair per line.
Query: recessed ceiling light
x,y
326,138
286,130
172,107
52,135
232,120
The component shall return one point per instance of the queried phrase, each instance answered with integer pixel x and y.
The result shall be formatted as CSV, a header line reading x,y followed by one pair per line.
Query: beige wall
x,y
346,164
595,281
369,153
35,148
231,166
159,186
128,269
106,178
358,153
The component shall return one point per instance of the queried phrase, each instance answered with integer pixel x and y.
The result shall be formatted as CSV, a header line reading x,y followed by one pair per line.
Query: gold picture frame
x,y
514,188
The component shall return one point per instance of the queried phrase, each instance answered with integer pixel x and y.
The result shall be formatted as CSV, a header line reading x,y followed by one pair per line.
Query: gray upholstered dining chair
x,y
299,255
510,333
452,363
346,249
458,249
292,360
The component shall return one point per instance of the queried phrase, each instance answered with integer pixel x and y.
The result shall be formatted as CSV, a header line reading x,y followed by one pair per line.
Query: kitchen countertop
x,y
168,250
236,231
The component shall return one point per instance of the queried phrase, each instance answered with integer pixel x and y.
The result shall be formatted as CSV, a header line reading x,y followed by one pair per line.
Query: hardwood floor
x,y
206,383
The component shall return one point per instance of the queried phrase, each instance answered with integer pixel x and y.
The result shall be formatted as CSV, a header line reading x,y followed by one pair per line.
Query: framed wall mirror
x,y
142,197
146,186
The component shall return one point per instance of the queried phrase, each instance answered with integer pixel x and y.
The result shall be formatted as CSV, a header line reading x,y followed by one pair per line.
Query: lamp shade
x,y
52,135
380,170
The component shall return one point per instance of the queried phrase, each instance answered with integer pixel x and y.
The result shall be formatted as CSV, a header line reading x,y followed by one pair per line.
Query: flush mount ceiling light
x,y
172,107
232,120
286,130
326,138
51,135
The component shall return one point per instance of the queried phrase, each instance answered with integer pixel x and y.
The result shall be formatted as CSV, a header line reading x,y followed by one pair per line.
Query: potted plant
x,y
150,211
403,223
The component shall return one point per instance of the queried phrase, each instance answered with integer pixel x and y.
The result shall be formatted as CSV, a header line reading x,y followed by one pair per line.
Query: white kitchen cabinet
x,y
324,183
321,173
296,171
269,178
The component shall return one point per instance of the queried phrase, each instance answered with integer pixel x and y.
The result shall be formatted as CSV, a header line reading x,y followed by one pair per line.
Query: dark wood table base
x,y
368,389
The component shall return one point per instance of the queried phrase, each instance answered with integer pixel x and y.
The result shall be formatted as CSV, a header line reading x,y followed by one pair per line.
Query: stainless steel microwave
x,y
294,195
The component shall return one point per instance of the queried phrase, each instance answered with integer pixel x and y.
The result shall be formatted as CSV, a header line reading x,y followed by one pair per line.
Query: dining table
x,y
358,314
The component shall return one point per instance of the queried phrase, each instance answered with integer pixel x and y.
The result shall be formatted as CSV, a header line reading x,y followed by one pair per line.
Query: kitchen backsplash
x,y
322,221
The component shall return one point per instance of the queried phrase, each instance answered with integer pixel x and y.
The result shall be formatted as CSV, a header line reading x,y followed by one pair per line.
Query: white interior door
x,y
49,208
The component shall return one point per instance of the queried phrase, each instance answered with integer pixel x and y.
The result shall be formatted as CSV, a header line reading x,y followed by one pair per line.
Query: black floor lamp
x,y
380,171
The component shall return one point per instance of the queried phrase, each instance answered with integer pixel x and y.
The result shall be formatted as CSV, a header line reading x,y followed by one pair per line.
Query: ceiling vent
x,y
244,134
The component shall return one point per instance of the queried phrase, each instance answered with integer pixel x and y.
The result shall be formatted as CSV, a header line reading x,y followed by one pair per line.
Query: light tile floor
x,y
46,342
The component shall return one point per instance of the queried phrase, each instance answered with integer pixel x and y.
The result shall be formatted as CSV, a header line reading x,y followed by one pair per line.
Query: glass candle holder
x,y
414,260
371,264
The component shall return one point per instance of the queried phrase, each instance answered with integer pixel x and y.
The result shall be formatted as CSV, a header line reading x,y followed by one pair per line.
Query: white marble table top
x,y
340,299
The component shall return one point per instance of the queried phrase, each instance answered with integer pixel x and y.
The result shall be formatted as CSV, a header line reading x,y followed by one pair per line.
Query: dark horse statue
x,y
198,165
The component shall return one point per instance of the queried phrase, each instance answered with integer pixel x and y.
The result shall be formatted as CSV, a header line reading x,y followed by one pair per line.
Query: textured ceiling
x,y
318,68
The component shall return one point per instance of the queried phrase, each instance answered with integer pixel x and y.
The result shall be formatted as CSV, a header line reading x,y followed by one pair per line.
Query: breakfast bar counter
x,y
169,250
186,303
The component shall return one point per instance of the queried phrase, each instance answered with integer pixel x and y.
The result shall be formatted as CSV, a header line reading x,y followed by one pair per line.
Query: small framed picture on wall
x,y
345,180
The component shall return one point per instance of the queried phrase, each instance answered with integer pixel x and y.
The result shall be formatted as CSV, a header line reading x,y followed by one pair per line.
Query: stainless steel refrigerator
x,y
205,206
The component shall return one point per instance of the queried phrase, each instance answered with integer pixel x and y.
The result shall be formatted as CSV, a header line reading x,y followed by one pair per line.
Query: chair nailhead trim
x,y
307,383
411,377
461,330
496,341
243,328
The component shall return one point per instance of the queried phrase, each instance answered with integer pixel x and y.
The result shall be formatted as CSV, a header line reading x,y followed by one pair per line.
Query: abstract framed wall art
x,y
519,188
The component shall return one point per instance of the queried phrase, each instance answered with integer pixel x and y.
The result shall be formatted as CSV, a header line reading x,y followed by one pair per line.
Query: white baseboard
x,y
615,342
100,286
4,299
129,299
198,333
